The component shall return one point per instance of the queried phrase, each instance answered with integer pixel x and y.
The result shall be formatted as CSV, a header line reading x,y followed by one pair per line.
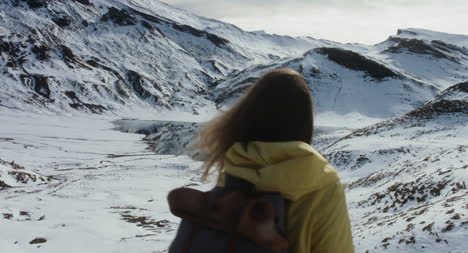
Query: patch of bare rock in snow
x,y
15,175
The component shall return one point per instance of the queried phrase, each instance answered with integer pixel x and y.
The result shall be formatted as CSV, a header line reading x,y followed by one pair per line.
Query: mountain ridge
x,y
115,55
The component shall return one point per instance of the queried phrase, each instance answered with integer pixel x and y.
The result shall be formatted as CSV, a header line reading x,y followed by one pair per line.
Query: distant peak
x,y
260,32
429,35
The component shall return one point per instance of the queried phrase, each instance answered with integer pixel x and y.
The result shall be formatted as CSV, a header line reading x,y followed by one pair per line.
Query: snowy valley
x,y
101,99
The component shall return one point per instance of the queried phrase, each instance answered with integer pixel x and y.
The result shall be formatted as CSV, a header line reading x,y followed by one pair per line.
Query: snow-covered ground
x,y
81,184
87,187
103,191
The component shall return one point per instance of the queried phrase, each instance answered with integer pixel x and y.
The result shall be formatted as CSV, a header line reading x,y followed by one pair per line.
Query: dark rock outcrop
x,y
461,87
218,41
355,61
135,81
416,46
21,175
3,185
41,85
62,20
11,48
440,107
147,25
68,54
38,240
41,52
84,2
34,4
95,63
78,104
119,17
440,45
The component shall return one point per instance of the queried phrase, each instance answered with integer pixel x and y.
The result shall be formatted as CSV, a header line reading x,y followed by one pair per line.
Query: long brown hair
x,y
277,108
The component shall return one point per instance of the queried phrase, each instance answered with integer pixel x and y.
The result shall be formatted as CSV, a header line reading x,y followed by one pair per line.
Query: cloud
x,y
365,21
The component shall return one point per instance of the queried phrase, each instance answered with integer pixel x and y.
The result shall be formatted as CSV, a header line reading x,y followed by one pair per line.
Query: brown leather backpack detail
x,y
232,212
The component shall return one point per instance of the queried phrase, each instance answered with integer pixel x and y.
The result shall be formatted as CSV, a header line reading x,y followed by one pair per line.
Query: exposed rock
x,y
355,61
417,47
315,72
135,80
3,185
218,41
12,164
79,105
36,3
273,57
84,2
62,20
25,177
11,63
13,175
68,54
461,87
71,59
41,52
119,17
38,240
11,48
95,63
448,47
147,25
41,85
440,107
401,31
121,89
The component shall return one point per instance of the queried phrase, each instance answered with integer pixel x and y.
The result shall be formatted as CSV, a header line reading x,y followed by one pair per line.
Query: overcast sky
x,y
364,21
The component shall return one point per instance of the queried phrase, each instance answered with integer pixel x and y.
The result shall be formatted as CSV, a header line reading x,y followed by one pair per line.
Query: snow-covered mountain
x,y
108,55
391,117
105,55
395,76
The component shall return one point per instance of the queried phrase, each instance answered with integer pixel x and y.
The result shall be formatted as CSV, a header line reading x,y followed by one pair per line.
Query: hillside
x,y
406,177
106,55
395,76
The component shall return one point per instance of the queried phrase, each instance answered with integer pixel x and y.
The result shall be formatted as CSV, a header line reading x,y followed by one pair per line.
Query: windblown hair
x,y
277,108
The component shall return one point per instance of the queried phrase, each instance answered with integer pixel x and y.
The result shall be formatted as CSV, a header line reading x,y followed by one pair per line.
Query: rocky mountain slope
x,y
107,55
407,177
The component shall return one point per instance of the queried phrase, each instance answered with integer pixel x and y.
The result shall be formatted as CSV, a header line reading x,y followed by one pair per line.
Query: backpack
x,y
232,219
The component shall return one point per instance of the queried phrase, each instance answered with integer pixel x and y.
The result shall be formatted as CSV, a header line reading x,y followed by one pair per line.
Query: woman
x,y
264,139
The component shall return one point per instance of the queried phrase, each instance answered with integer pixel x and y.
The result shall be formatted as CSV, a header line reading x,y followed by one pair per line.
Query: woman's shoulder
x,y
321,220
323,199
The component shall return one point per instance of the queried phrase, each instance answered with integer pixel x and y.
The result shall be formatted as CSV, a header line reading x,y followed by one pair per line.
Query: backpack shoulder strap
x,y
233,183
